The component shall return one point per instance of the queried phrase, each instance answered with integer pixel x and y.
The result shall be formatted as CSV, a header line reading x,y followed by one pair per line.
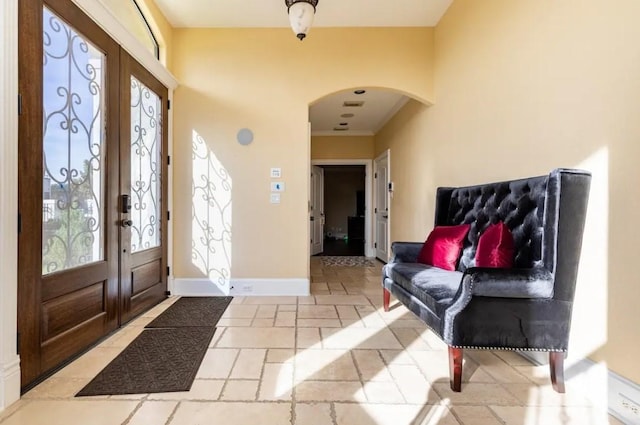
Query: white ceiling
x,y
379,106
330,13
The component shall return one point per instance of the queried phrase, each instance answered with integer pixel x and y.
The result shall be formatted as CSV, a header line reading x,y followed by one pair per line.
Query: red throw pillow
x,y
495,247
442,247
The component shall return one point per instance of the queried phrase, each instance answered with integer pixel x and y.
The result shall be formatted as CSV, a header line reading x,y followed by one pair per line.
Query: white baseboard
x,y
242,287
623,396
624,399
10,383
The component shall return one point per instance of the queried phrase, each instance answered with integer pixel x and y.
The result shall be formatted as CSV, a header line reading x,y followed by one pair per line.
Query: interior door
x,y
381,210
143,189
68,185
317,210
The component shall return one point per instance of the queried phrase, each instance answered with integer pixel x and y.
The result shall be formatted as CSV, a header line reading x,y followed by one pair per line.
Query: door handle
x,y
126,222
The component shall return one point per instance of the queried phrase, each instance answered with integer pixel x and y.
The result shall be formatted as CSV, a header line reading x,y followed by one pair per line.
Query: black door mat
x,y
157,361
192,311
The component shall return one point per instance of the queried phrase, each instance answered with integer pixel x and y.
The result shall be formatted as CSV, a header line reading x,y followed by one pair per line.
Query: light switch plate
x,y
276,173
275,198
277,186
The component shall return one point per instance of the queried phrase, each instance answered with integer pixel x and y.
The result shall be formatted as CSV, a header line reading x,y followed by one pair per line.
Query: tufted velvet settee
x,y
527,307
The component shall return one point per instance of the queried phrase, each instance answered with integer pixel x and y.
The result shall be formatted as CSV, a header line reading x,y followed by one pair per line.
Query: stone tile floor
x,y
334,358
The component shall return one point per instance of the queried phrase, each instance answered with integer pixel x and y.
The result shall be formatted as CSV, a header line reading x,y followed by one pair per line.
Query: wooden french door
x,y
81,273
143,188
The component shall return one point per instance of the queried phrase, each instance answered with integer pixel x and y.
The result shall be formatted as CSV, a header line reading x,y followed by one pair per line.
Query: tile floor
x,y
334,358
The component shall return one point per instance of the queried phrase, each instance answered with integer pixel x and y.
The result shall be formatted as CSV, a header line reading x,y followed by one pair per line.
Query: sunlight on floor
x,y
333,358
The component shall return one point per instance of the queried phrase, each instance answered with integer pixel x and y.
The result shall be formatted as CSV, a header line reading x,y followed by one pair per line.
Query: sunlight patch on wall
x,y
211,215
589,321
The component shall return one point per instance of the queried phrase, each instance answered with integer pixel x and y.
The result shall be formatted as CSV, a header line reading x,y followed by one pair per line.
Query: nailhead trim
x,y
555,350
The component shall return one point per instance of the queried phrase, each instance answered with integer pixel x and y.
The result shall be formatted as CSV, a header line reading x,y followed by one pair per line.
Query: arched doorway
x,y
354,215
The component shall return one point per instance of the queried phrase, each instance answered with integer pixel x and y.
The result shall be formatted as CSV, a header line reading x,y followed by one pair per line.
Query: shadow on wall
x,y
211,217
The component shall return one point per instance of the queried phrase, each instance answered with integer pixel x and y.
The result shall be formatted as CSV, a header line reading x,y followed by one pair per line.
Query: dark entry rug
x,y
353,261
192,311
158,360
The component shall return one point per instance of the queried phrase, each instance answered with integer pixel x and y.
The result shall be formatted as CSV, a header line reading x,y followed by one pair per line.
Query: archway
x,y
343,128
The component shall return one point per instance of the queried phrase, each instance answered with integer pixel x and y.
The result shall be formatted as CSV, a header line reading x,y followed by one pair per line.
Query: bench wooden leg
x,y
386,298
556,367
455,369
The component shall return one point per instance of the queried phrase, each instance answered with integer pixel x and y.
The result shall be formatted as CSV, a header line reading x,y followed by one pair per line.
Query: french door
x,y
143,188
92,186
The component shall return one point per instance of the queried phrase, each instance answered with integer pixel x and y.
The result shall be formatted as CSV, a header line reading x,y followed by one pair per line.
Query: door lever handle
x,y
126,222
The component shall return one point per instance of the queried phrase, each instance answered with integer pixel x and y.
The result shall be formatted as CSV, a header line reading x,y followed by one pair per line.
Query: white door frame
x,y
9,360
369,251
389,195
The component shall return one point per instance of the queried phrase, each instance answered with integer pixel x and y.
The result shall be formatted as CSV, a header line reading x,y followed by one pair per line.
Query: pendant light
x,y
301,13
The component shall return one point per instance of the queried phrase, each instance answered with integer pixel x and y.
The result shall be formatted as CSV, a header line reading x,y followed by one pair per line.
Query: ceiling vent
x,y
353,103
340,128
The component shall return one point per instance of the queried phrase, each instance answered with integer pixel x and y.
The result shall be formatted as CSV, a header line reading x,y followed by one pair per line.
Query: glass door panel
x,y
73,148
146,179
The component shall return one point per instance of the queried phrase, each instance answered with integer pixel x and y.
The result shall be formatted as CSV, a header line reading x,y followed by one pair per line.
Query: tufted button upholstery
x,y
519,204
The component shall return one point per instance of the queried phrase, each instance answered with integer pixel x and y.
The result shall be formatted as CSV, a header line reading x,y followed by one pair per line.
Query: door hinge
x,y
19,104
19,223
168,104
18,343
168,160
375,210
168,215
375,245
168,271
375,176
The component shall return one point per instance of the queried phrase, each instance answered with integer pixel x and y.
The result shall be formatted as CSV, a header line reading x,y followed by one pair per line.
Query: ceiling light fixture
x,y
347,115
301,14
360,92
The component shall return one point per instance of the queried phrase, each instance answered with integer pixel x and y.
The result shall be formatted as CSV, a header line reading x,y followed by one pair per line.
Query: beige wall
x,y
523,87
342,147
411,171
265,79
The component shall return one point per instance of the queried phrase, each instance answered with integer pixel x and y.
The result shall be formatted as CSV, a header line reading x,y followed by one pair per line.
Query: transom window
x,y
130,15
